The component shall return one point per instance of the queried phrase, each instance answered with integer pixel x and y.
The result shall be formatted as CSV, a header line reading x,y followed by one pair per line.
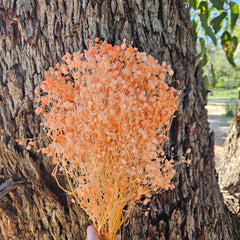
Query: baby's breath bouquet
x,y
107,112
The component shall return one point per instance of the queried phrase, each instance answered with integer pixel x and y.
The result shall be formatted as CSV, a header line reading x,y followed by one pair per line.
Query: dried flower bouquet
x,y
107,112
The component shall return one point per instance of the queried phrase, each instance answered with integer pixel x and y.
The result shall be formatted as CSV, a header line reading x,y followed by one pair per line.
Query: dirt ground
x,y
216,108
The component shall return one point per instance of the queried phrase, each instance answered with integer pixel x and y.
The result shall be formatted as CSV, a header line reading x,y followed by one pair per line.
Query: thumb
x,y
91,233
118,237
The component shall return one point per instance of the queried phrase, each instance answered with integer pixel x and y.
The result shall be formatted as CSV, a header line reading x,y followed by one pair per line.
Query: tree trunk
x,y
34,35
229,171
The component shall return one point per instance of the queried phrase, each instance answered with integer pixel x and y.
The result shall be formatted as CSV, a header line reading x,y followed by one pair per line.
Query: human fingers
x,y
118,237
91,233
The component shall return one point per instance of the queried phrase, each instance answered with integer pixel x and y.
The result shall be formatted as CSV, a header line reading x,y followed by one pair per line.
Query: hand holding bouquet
x,y
107,112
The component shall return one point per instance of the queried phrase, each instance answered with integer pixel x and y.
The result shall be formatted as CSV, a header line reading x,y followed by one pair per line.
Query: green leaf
x,y
218,4
234,43
229,45
211,34
204,16
225,40
202,43
234,14
204,60
195,30
204,13
225,36
230,59
203,7
193,4
217,22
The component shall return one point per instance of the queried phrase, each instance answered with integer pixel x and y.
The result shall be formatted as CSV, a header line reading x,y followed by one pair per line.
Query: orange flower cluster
x,y
108,112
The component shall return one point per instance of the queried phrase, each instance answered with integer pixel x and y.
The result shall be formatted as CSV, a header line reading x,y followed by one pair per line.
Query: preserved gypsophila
x,y
107,112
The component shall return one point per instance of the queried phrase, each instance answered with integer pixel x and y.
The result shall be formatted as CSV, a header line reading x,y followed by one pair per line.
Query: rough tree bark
x,y
229,171
34,35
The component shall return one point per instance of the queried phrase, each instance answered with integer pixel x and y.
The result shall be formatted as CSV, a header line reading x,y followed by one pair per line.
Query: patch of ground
x,y
216,108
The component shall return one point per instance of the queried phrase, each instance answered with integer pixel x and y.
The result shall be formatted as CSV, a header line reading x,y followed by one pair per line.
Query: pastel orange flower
x,y
108,112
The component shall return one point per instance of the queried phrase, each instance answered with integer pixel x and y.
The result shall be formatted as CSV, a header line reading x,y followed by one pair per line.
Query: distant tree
x,y
216,29
215,19
220,69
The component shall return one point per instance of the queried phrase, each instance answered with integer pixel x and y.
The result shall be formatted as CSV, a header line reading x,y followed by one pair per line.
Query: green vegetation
x,y
230,121
215,20
226,116
219,73
224,84
217,31
224,93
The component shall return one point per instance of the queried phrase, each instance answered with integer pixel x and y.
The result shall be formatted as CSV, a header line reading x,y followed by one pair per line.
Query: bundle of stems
x,y
107,112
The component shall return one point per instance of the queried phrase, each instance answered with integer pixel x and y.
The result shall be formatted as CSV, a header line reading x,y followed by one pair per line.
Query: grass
x,y
220,84
226,84
227,116
224,93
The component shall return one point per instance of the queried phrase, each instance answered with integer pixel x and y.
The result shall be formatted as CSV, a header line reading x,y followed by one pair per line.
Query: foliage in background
x,y
108,112
231,108
224,93
223,74
215,20
216,16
